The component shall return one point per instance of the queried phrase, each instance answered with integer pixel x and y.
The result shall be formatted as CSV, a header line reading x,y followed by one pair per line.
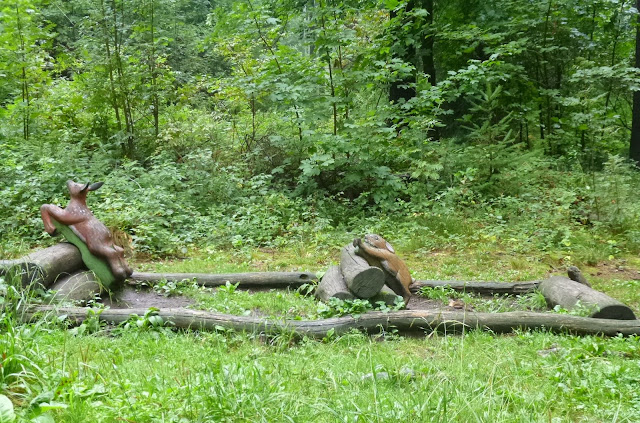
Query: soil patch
x,y
132,297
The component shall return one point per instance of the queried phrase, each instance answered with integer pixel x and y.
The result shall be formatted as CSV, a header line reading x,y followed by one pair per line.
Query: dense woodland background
x,y
271,122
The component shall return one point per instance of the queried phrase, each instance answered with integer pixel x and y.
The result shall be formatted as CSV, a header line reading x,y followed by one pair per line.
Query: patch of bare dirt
x,y
131,297
611,270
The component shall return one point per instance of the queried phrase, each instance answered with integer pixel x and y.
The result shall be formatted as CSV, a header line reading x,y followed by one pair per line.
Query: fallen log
x,y
485,288
569,294
43,267
333,285
363,281
405,321
256,279
80,286
5,265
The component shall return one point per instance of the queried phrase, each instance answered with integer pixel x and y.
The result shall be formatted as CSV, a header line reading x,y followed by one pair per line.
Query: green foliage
x,y
336,307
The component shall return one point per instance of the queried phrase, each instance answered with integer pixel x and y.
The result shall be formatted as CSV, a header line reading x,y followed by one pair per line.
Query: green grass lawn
x,y
157,375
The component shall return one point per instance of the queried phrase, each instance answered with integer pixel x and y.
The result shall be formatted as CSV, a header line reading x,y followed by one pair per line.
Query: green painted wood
x,y
97,265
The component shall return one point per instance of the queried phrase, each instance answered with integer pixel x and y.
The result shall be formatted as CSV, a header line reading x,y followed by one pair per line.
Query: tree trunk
x,y
43,267
634,144
257,279
405,321
363,281
386,295
569,294
333,285
81,286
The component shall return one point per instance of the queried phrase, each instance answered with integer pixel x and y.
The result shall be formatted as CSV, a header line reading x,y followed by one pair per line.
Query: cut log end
x,y
368,282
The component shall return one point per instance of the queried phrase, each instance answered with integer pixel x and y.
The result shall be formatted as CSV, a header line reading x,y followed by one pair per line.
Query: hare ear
x,y
390,248
95,186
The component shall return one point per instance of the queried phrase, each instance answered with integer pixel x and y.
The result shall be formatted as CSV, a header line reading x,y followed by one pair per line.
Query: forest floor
x,y
141,372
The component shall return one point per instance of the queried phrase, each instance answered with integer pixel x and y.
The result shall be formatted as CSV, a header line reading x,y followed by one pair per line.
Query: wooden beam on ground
x,y
570,294
416,321
254,279
486,288
43,267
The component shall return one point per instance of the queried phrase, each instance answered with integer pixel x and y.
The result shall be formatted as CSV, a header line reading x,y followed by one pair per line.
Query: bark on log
x,y
333,285
387,295
5,265
43,267
488,288
363,280
81,286
257,279
418,321
566,293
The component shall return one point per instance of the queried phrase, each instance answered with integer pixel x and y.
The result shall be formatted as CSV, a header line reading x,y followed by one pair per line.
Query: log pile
x,y
354,278
59,268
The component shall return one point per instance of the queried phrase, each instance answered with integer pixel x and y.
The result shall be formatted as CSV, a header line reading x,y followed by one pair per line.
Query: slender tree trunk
x,y
25,84
112,87
634,145
154,76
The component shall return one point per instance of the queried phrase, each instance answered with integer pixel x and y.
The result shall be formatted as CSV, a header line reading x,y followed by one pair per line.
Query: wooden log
x,y
363,280
568,294
6,264
255,279
386,295
80,286
333,285
405,321
43,267
487,288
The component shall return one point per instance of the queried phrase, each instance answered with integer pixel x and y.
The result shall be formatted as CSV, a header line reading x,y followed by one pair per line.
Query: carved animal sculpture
x,y
378,252
88,228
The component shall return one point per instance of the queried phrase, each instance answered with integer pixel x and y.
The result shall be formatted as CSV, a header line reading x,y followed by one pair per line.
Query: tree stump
x,y
43,267
81,286
562,291
363,280
333,285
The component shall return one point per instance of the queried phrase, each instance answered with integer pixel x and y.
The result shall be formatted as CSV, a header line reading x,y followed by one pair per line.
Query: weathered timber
x,y
568,294
333,285
488,288
5,265
576,275
419,321
254,279
386,295
363,280
43,267
98,265
81,286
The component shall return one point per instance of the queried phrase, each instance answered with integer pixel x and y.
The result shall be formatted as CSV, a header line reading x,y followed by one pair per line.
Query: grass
x,y
152,375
